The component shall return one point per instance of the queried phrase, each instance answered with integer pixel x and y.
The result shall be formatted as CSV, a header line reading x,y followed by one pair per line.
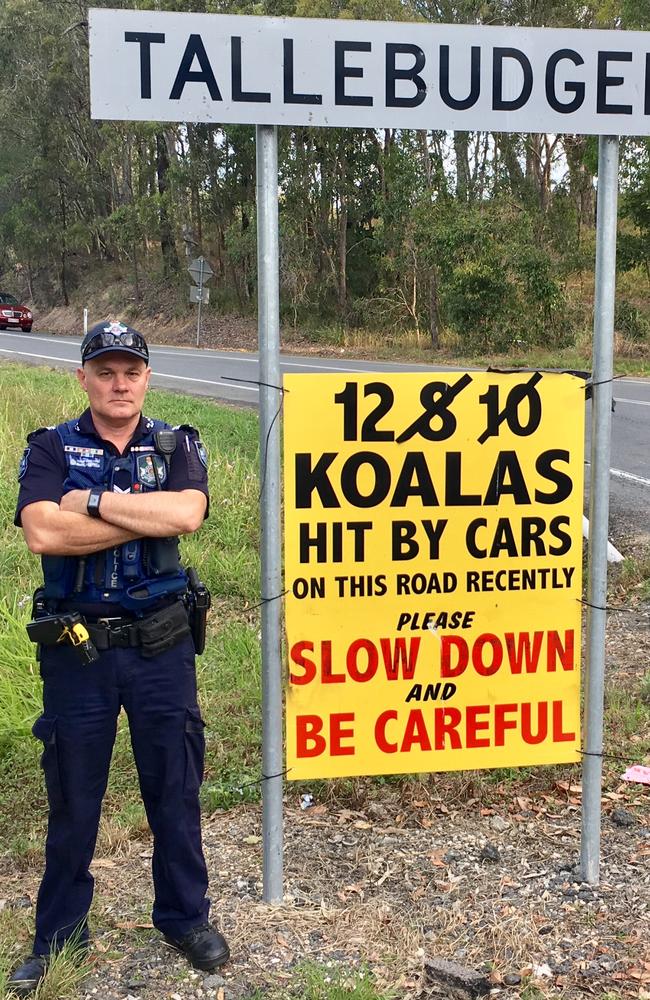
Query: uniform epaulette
x,y
40,430
187,428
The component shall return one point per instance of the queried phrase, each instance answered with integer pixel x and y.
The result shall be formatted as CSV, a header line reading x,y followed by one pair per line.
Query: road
x,y
231,376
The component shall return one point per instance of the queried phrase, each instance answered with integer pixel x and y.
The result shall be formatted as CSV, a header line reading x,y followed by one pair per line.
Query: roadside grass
x,y
409,346
631,580
627,695
325,982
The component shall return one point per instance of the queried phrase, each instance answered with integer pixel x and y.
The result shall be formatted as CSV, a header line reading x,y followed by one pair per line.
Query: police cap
x,y
107,336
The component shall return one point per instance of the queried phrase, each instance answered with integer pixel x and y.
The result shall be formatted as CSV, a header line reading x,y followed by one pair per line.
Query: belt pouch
x,y
163,629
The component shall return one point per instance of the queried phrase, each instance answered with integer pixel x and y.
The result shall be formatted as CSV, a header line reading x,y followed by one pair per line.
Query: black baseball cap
x,y
108,336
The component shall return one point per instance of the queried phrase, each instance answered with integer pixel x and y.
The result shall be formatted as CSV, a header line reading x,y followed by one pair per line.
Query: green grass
x,y
65,972
326,982
631,579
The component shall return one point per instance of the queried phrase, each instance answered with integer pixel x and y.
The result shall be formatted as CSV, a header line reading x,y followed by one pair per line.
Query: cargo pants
x,y
81,704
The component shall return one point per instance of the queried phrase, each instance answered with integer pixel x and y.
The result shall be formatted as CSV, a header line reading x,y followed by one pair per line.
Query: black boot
x,y
26,978
205,947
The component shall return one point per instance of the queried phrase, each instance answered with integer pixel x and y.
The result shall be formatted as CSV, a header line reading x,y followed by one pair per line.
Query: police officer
x,y
102,500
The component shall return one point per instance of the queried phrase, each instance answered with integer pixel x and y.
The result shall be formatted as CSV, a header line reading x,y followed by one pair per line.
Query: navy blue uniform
x,y
81,702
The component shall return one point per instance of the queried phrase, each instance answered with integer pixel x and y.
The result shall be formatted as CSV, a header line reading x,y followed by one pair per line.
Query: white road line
x,y
45,357
181,378
204,381
216,355
285,362
43,340
620,474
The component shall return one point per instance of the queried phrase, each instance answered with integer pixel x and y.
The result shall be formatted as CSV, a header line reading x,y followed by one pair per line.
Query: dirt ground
x,y
406,877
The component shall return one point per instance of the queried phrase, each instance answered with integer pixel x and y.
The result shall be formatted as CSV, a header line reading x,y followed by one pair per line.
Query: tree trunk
x,y
580,179
463,177
510,159
136,274
63,276
167,243
342,234
342,248
434,331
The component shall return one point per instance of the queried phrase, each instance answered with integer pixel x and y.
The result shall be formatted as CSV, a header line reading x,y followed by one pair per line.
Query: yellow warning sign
x,y
433,551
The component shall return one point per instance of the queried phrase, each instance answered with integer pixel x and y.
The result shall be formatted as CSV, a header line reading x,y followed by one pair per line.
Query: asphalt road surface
x,y
231,376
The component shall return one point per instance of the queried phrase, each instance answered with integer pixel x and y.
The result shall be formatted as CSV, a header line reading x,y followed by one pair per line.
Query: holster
x,y
199,601
67,627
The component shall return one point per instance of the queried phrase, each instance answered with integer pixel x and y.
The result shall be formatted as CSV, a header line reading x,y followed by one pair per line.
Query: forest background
x,y
467,243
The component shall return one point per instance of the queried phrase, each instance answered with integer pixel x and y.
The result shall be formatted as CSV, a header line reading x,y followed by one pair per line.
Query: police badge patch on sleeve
x,y
202,452
24,462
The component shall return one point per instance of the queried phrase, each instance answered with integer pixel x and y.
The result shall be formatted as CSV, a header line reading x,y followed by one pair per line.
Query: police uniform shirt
x,y
44,468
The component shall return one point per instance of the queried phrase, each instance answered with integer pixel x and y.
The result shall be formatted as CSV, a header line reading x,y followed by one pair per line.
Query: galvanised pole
x,y
601,423
198,319
268,277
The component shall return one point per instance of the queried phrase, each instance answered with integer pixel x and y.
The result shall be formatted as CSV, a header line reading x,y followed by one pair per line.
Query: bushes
x,y
498,280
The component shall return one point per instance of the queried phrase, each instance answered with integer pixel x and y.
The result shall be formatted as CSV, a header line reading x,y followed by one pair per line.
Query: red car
x,y
12,314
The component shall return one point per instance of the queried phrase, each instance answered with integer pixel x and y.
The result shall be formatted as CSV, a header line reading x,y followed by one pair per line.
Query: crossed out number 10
x,y
437,422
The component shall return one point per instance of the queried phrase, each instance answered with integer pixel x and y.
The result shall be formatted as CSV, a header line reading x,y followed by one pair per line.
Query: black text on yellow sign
x,y
433,548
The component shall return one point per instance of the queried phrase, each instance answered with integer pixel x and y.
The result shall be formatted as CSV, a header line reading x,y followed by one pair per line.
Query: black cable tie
x,y
609,756
607,607
253,381
605,381
258,781
267,600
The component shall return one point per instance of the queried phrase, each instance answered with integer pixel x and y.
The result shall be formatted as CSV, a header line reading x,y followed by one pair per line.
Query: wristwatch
x,y
94,498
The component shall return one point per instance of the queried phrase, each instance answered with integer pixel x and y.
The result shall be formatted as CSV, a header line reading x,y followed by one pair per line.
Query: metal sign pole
x,y
198,320
601,422
268,280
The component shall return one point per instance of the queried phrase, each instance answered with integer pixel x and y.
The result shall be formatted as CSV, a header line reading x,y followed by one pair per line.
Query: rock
x,y
511,979
22,903
623,817
214,982
499,824
459,977
489,853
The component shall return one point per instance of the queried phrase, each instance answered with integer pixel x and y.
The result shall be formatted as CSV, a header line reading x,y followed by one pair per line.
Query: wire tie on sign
x,y
267,600
602,754
607,607
253,381
605,381
258,781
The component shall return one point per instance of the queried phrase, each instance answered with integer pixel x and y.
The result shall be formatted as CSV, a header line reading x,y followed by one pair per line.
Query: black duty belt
x,y
114,633
152,635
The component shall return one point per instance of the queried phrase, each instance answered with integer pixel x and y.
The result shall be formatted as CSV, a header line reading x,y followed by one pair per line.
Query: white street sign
x,y
199,295
371,74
